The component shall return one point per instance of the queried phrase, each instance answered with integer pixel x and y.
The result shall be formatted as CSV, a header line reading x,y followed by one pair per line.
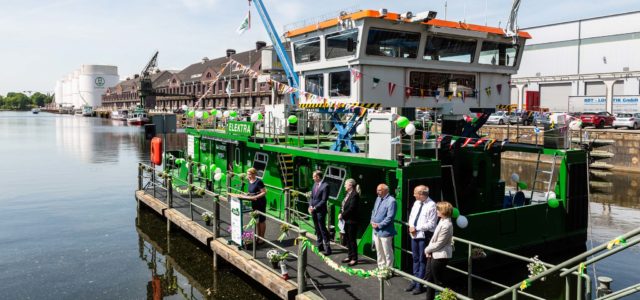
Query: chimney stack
x,y
260,45
230,52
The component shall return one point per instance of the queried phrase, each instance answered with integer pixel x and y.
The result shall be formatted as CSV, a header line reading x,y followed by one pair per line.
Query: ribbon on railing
x,y
382,273
616,242
525,284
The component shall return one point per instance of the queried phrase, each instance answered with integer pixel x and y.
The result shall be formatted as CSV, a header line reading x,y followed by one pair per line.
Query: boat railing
x,y
476,251
219,202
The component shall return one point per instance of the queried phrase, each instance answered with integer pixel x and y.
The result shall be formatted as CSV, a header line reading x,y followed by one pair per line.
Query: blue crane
x,y
287,65
346,131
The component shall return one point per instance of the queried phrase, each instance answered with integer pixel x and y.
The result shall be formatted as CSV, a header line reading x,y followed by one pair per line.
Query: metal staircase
x,y
285,161
547,176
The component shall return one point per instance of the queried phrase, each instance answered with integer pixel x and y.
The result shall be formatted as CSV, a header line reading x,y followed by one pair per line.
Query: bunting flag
x,y
489,144
466,142
246,24
392,87
356,75
228,88
499,88
376,81
453,142
407,92
479,142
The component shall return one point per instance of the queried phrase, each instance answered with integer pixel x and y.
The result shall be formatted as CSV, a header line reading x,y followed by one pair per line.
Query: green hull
x,y
480,191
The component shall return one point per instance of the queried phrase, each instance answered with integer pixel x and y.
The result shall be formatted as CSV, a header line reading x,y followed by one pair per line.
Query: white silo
x,y
59,92
66,90
75,95
93,81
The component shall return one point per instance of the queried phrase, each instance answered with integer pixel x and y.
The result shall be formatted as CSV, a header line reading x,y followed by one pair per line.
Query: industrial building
x,y
85,86
584,65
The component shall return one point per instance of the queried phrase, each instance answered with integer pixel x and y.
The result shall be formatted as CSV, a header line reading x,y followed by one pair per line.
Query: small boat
x,y
87,111
120,115
35,110
138,117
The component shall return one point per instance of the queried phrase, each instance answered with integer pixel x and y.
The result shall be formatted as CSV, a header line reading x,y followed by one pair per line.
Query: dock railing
x,y
191,191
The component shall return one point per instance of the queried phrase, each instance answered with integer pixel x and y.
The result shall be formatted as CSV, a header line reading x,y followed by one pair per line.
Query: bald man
x,y
422,222
384,211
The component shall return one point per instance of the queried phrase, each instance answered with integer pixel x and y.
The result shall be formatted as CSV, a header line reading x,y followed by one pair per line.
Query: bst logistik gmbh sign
x,y
240,128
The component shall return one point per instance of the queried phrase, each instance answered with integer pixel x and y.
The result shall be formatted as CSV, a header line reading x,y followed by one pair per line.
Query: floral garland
x,y
616,242
525,284
253,221
536,267
381,273
284,232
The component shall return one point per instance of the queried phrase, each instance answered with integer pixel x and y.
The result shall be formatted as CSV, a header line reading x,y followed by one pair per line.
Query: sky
x,y
43,41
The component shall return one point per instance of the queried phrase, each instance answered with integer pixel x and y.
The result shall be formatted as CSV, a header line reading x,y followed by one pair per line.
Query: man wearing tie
x,y
318,211
384,211
422,222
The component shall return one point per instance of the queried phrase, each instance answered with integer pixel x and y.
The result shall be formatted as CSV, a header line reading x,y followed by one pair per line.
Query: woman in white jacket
x,y
439,248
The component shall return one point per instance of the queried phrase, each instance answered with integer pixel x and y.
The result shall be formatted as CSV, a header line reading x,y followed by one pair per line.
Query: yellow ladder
x,y
286,168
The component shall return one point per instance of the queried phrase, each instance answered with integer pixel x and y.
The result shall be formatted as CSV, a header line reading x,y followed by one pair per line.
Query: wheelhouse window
x,y
307,50
448,49
498,54
340,84
260,163
431,84
341,44
314,84
334,177
393,43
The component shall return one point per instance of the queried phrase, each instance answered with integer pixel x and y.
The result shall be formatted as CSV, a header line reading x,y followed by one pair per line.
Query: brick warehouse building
x,y
185,87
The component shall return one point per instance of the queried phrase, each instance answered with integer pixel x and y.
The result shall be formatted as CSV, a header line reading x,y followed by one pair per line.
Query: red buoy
x,y
156,151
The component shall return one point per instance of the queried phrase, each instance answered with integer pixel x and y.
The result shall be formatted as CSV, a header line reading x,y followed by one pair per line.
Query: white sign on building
x,y
621,104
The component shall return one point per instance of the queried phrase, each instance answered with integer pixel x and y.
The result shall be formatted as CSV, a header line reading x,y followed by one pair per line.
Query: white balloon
x,y
462,221
254,117
410,129
185,107
361,129
575,124
218,114
217,177
515,177
199,114
226,114
218,171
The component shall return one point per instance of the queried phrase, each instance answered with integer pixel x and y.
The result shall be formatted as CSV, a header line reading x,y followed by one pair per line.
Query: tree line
x,y
20,101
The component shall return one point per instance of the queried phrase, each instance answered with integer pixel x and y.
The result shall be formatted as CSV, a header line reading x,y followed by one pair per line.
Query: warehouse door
x,y
555,96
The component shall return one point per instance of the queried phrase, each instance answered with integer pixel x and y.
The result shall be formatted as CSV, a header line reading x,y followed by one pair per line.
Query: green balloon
x,y
205,115
233,113
522,185
191,113
213,112
455,213
402,122
553,203
260,116
292,119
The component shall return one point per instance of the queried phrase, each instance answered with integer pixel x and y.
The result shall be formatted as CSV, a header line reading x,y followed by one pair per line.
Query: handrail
x,y
427,283
569,262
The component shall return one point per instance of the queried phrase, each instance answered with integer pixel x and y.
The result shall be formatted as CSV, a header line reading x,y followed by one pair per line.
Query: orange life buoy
x,y
156,151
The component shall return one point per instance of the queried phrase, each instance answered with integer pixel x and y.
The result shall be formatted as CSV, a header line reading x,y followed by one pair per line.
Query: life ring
x,y
156,151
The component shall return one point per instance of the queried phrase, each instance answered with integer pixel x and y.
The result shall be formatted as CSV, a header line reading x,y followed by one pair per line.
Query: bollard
x,y
604,286
169,191
302,264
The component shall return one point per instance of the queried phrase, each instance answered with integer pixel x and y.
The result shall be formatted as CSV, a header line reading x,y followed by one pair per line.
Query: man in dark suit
x,y
318,211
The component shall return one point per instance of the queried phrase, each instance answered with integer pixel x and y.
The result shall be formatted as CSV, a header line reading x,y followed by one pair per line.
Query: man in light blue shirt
x,y
384,211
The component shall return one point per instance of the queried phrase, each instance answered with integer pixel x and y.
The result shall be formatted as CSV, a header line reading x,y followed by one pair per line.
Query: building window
x,y
340,84
500,54
341,44
431,84
307,50
446,49
393,43
314,84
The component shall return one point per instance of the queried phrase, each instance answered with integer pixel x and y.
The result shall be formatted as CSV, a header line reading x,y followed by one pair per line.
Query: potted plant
x,y
247,237
207,217
446,294
275,257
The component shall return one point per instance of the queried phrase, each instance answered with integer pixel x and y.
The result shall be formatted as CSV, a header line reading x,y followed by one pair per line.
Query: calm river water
x,y
69,228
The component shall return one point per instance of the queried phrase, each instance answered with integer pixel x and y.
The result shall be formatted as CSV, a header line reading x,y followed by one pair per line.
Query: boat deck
x,y
325,282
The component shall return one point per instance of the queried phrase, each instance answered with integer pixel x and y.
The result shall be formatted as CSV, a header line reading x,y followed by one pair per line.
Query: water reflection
x,y
179,266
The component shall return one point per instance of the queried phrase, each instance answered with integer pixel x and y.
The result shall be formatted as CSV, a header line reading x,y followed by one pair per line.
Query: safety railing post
x,y
381,291
579,288
140,174
469,269
302,262
190,189
153,181
255,241
169,191
287,204
216,217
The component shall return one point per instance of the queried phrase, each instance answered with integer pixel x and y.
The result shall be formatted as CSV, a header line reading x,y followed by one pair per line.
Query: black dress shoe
x,y
328,252
352,263
410,287
418,291
346,260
